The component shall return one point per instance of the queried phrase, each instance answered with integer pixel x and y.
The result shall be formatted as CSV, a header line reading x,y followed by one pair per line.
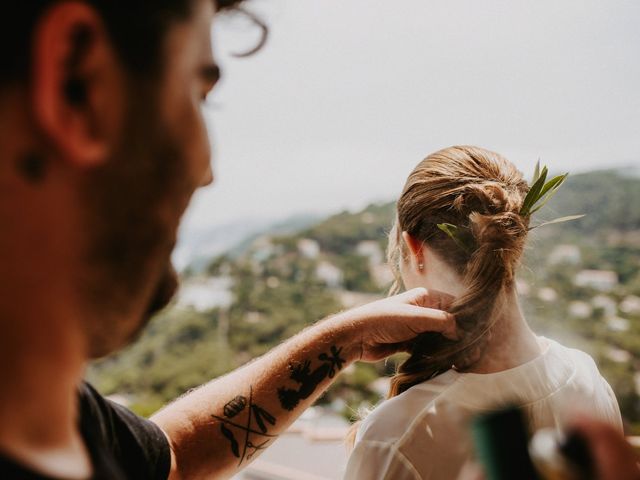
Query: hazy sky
x,y
347,96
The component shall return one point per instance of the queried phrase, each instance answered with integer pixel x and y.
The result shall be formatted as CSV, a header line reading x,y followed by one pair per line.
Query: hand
x,y
613,457
384,327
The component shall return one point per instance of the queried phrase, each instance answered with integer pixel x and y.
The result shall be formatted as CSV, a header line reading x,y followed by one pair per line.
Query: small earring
x,y
421,266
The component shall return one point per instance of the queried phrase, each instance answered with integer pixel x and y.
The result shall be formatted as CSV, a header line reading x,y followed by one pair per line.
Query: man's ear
x,y
415,249
76,84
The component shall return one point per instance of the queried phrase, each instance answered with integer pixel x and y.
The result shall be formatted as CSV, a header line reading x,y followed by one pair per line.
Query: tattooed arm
x,y
218,428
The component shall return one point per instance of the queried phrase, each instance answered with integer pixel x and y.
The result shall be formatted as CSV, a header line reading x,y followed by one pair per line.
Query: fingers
x,y
613,456
429,315
379,352
423,297
425,320
415,296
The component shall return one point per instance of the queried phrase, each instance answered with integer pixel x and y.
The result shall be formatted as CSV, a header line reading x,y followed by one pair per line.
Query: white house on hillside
x,y
308,248
565,254
603,280
329,274
371,250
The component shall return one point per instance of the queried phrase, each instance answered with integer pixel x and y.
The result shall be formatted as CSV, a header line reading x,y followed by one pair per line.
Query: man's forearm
x,y
218,428
224,424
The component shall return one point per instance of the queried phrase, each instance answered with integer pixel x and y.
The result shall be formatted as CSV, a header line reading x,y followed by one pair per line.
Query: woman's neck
x,y
511,343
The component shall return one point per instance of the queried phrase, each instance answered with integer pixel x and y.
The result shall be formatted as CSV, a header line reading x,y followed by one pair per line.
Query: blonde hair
x,y
481,193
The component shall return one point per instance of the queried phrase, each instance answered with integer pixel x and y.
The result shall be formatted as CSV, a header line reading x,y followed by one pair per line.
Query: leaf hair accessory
x,y
454,234
539,194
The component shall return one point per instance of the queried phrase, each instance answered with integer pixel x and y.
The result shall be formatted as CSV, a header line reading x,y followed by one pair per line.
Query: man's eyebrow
x,y
210,73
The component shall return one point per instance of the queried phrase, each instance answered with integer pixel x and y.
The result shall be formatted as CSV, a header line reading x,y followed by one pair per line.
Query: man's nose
x,y
207,179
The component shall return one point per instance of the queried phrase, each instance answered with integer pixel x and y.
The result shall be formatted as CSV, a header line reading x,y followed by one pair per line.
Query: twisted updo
x,y
481,193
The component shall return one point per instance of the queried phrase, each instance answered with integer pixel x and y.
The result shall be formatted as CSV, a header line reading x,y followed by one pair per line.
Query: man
x,y
102,144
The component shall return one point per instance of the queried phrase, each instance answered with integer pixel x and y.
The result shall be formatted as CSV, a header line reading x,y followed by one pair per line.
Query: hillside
x,y
580,284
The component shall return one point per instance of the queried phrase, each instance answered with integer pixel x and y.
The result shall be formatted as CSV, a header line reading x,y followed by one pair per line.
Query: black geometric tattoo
x,y
308,380
230,428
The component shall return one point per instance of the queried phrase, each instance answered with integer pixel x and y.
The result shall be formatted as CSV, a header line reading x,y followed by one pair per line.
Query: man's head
x,y
107,145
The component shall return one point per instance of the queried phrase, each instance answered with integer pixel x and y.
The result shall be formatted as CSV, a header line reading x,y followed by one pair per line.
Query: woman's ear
x,y
416,250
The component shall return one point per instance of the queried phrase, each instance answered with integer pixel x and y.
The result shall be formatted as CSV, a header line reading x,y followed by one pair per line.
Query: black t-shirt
x,y
122,445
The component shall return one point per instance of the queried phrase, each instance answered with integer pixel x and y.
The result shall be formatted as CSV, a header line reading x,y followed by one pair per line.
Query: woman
x,y
461,229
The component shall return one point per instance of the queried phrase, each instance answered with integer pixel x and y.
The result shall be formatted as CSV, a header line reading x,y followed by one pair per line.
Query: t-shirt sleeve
x,y
373,460
138,445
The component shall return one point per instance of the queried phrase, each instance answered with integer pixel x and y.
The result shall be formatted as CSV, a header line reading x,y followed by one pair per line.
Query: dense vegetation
x,y
280,284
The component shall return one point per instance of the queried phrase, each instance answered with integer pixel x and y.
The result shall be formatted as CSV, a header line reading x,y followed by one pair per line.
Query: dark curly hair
x,y
136,28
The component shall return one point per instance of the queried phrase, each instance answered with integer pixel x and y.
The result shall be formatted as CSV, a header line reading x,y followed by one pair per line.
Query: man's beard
x,y
133,205
163,292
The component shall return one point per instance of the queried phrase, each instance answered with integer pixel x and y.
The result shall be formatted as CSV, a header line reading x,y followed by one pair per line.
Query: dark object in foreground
x,y
502,445
504,450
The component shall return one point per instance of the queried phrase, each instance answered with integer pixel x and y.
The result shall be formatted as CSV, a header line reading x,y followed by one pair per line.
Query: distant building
x,y
308,248
371,250
205,293
617,355
618,324
253,317
565,254
630,305
382,275
547,294
607,304
331,275
262,248
602,280
378,269
580,309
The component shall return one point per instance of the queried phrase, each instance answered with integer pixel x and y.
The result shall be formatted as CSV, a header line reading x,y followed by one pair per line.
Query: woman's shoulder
x,y
581,362
560,368
585,389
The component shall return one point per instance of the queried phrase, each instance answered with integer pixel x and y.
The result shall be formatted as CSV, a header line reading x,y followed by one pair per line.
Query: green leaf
x,y
555,182
551,188
453,232
536,173
449,229
534,193
559,220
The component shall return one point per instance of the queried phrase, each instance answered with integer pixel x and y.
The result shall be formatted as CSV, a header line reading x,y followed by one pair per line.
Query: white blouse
x,y
424,432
